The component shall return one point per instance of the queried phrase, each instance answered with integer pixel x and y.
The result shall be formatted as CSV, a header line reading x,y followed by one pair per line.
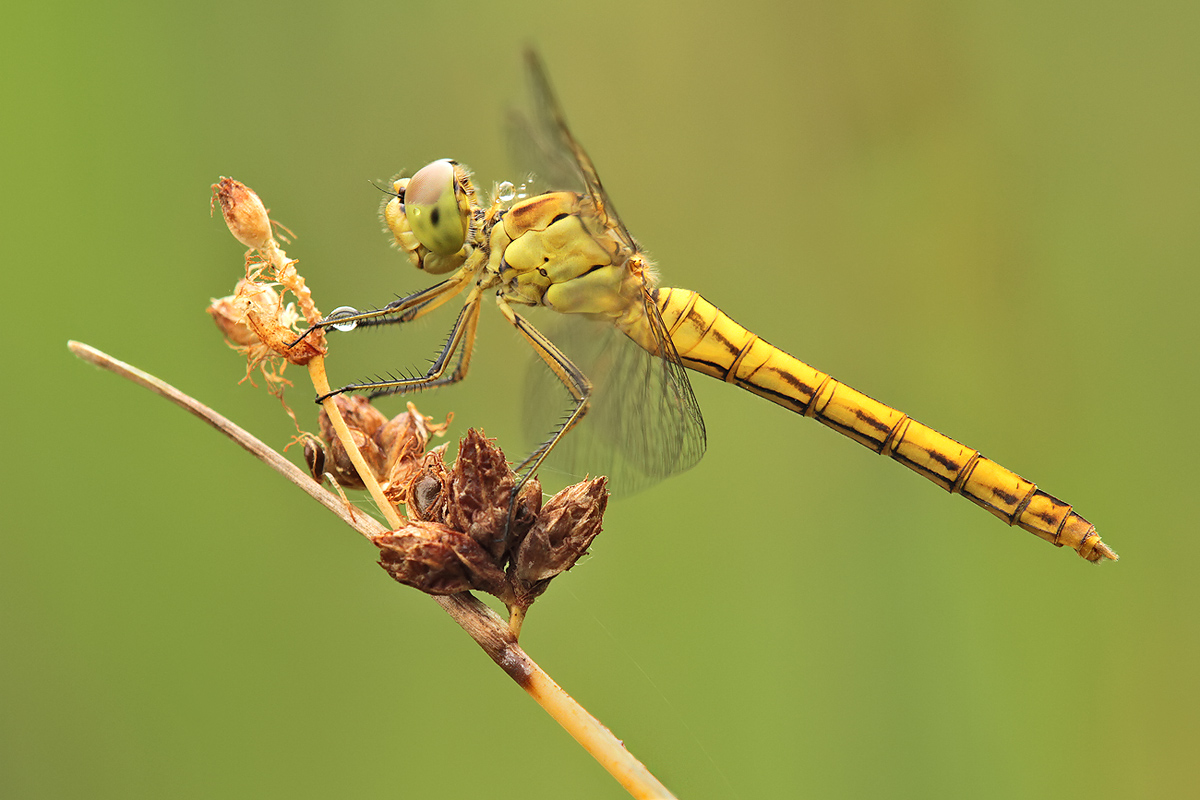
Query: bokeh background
x,y
984,214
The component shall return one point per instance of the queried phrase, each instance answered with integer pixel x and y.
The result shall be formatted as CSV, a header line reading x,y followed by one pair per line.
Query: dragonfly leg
x,y
461,339
403,309
575,382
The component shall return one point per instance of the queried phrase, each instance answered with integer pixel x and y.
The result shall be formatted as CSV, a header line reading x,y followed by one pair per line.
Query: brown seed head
x,y
460,535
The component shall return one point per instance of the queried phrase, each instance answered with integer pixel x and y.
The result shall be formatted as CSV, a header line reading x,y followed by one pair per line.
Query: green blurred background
x,y
984,214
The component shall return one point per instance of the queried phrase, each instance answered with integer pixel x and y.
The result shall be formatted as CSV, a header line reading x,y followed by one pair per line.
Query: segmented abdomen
x,y
709,341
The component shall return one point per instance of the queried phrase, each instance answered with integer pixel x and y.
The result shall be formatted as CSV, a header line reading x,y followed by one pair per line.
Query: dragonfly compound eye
x,y
432,208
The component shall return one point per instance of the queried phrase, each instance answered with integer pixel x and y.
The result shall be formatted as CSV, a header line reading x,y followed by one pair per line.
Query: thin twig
x,y
488,630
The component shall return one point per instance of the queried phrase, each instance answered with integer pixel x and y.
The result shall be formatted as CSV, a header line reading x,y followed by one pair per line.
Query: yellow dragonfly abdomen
x,y
709,341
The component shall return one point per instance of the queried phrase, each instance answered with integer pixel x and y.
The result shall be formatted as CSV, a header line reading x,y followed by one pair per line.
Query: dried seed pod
x,y
480,492
560,536
437,559
404,438
229,313
525,512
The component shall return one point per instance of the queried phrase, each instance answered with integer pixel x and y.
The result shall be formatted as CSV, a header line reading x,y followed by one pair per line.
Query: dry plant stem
x,y
316,371
516,618
480,622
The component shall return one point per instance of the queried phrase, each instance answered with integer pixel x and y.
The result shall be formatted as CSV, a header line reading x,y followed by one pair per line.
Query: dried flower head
x,y
467,527
255,316
254,319
244,212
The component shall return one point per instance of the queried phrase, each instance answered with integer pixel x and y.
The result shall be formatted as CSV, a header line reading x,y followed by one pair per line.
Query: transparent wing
x,y
538,159
644,423
543,145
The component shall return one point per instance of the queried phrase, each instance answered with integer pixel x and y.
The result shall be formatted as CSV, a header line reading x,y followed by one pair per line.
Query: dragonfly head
x,y
437,207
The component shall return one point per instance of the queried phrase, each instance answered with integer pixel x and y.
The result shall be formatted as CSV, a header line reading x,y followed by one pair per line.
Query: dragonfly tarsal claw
x,y
331,321
304,335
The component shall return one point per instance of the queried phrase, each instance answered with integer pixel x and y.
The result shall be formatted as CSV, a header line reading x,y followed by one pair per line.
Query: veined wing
x,y
644,423
543,144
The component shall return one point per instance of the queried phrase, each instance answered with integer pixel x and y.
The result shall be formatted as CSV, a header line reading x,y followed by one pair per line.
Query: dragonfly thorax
x,y
548,250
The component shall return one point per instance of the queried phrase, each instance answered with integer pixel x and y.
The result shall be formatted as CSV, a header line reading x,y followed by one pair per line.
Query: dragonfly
x,y
566,249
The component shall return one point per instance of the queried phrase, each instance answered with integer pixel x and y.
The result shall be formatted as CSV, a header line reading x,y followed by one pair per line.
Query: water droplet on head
x,y
505,191
343,311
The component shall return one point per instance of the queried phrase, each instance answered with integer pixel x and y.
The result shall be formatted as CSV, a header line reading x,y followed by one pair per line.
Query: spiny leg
x,y
462,336
575,382
402,309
